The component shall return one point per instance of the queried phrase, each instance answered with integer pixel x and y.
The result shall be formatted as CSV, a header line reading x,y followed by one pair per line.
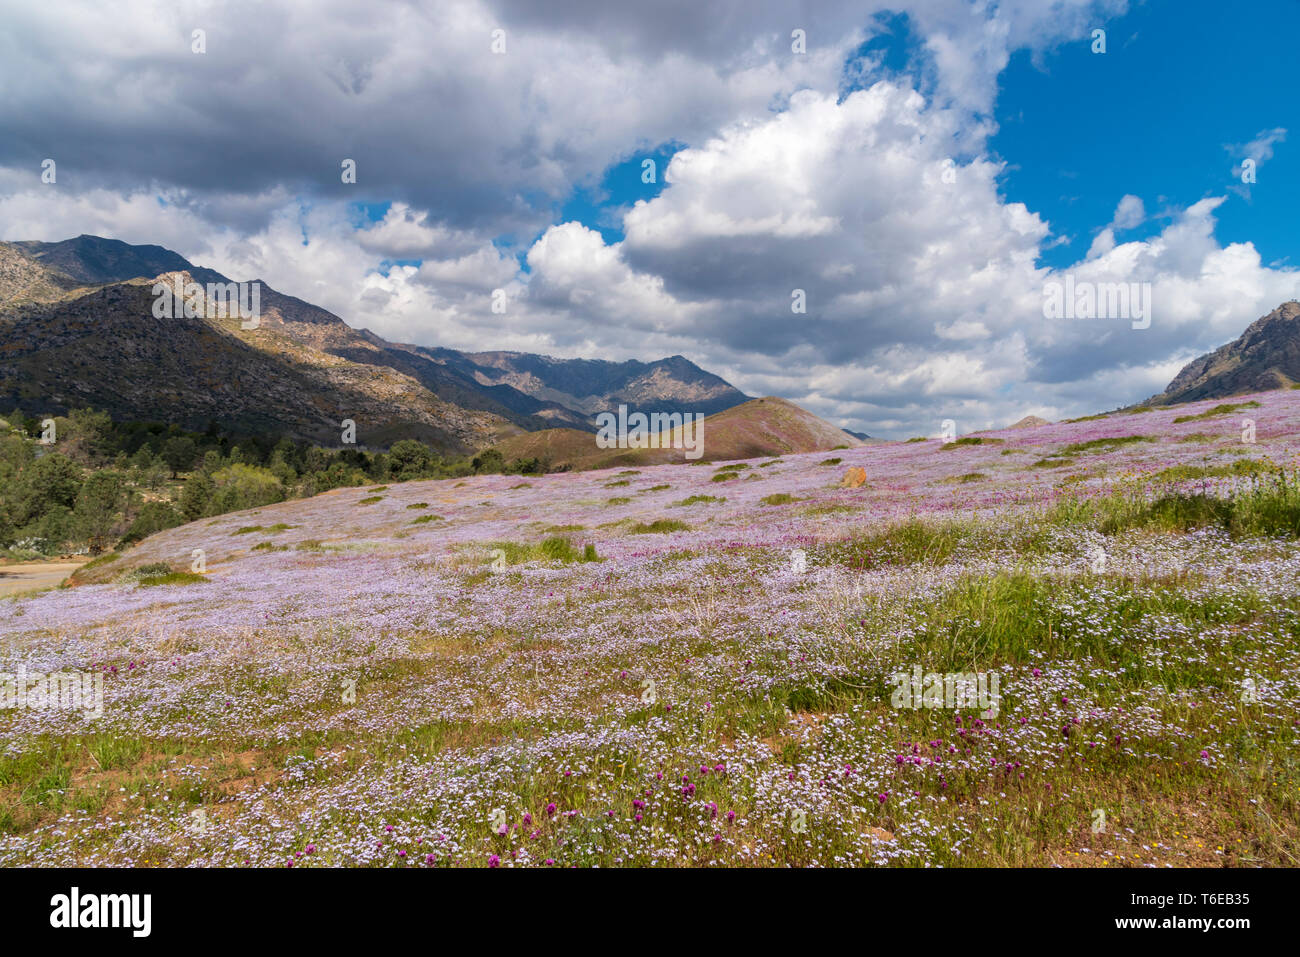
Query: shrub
x,y
1106,444
1226,408
554,549
658,526
153,517
242,486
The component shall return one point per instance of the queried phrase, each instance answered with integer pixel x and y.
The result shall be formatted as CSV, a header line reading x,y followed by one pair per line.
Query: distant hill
x,y
76,329
1265,356
1029,422
760,427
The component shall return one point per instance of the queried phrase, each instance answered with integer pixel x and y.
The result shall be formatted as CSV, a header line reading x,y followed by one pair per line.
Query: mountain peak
x,y
95,260
1265,356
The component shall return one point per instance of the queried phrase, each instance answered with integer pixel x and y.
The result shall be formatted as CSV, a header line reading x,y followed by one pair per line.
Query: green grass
x,y
269,547
724,477
1183,473
1052,462
618,484
910,542
829,508
173,578
554,549
699,500
658,526
371,500
963,479
418,505
1019,618
780,498
1268,505
834,461
1226,408
1096,445
617,501
971,440
425,519
658,488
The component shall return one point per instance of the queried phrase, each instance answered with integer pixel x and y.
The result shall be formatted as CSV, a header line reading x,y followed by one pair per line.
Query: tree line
x,y
91,483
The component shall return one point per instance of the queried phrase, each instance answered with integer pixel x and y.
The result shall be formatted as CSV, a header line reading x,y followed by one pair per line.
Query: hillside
x,y
1265,356
760,427
654,674
57,298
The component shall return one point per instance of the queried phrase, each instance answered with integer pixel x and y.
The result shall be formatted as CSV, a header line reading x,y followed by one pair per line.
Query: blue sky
x,y
1180,81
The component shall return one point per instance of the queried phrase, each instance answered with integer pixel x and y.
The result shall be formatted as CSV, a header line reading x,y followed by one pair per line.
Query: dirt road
x,y
26,576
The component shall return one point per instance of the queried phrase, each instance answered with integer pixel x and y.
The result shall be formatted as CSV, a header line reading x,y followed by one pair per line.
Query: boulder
x,y
854,477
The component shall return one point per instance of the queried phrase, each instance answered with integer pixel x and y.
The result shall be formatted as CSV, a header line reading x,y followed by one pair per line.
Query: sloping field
x,y
685,665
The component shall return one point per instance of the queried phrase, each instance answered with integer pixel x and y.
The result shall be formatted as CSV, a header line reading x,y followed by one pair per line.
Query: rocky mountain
x,y
1265,356
77,328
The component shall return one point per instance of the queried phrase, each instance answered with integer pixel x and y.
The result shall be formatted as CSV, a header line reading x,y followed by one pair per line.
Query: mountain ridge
x,y
456,400
1265,356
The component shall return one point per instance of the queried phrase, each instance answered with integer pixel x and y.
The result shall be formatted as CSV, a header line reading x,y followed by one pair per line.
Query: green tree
x,y
153,517
409,459
86,436
489,461
245,486
51,480
179,453
196,497
99,508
